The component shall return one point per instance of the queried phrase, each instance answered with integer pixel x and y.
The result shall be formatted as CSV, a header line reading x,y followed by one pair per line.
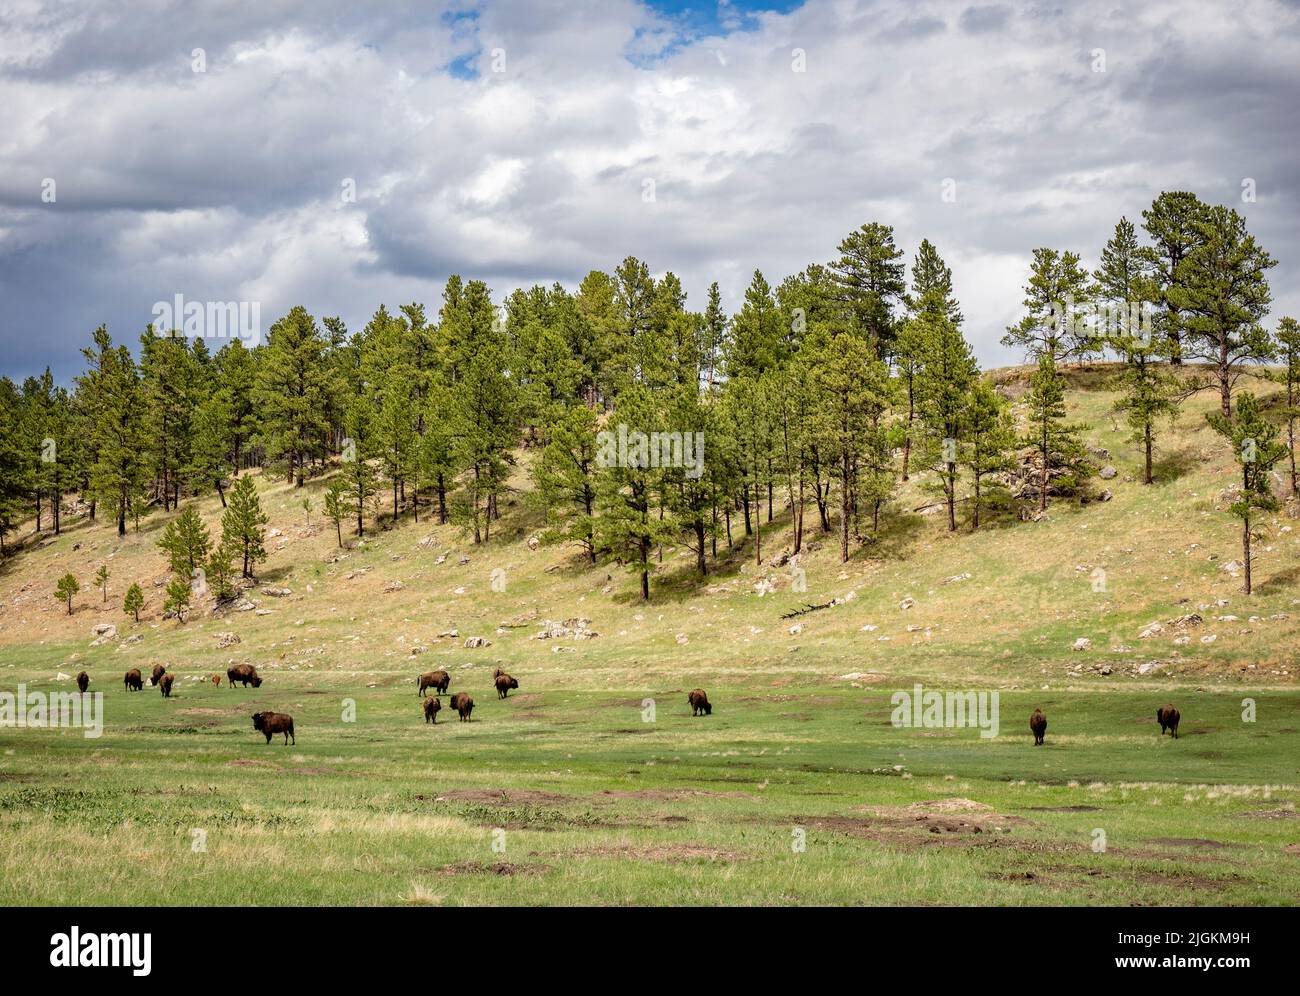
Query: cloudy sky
x,y
516,140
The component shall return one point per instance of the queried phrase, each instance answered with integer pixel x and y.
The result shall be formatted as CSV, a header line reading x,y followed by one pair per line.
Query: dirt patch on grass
x,y
209,712
312,771
661,852
1063,809
1271,814
249,762
672,795
1197,843
500,797
496,868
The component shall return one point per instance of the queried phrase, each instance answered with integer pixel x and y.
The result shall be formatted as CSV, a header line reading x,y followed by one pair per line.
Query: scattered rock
x,y
1082,643
907,603
277,592
475,642
1107,473
225,640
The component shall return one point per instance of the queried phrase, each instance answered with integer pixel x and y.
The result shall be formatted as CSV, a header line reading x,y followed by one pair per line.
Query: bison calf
x,y
438,680
83,682
245,673
165,685
156,674
463,704
1038,726
272,723
1167,717
699,703
132,680
431,708
504,683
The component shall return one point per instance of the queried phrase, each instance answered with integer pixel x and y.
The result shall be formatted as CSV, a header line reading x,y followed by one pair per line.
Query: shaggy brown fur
x,y
132,680
245,673
504,683
1038,726
431,708
1167,716
438,680
83,682
165,685
156,674
699,703
463,704
272,723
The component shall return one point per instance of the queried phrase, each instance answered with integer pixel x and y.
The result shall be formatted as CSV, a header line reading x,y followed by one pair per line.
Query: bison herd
x,y
1166,716
271,723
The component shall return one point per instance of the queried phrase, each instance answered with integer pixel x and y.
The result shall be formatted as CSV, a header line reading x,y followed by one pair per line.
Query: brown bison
x,y
699,703
83,682
504,683
132,680
1167,717
497,673
272,723
165,685
438,680
463,704
156,674
431,708
216,681
245,673
1038,726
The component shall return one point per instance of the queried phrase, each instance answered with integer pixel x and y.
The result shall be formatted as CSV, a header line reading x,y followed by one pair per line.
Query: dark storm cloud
x,y
1050,120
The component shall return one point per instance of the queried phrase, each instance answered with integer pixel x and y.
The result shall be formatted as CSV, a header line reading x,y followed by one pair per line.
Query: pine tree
x,y
1257,450
947,374
116,414
242,525
292,392
101,580
1055,301
66,589
756,342
177,601
990,440
484,431
221,571
12,462
335,509
565,481
713,337
167,388
870,278
1288,337
134,601
1055,441
358,446
187,543
1223,296
1170,222
212,445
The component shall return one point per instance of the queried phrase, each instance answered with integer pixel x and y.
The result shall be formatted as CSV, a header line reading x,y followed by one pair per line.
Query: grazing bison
x,y
245,673
463,704
504,683
699,703
132,680
165,685
156,674
272,723
83,682
1167,717
431,709
434,679
1038,726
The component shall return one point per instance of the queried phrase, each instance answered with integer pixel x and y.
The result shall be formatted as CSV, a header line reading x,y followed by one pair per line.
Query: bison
x,y
497,673
699,703
245,673
216,681
83,682
132,680
272,723
165,685
504,683
463,704
156,674
1167,717
431,709
434,679
1038,726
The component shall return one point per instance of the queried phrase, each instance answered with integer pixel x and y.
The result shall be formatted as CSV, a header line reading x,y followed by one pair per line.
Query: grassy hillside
x,y
597,804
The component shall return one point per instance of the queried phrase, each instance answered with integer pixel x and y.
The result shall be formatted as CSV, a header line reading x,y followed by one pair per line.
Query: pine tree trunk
x,y
758,528
1147,441
844,512
975,513
222,493
700,562
952,497
1245,546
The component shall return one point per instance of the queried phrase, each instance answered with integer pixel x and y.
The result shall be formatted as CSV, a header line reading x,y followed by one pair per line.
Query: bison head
x,y
259,720
257,682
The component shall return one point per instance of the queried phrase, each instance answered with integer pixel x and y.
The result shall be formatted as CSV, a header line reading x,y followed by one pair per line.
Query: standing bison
x,y
271,723
504,683
83,682
1167,716
244,673
699,703
463,704
438,680
1038,726
156,674
165,685
132,680
431,708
